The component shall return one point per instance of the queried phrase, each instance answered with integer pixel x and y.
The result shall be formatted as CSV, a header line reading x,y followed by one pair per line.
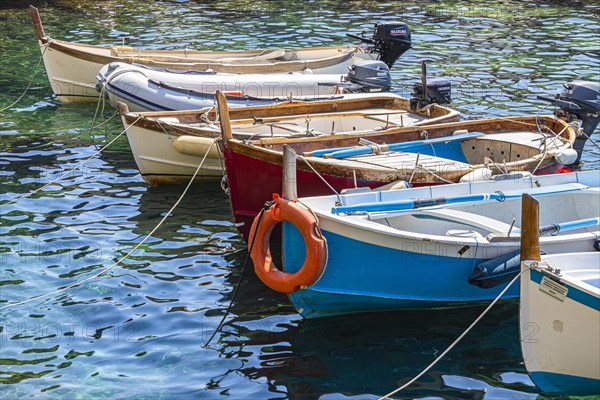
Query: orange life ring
x,y
316,246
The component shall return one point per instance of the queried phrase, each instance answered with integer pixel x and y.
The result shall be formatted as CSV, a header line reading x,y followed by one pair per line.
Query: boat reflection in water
x,y
368,355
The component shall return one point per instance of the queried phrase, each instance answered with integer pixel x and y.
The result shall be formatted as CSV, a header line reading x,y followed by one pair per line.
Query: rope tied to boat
x,y
47,45
321,177
180,129
449,348
118,262
265,207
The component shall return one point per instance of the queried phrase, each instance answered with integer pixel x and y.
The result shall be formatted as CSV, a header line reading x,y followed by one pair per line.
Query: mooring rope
x,y
266,206
319,175
589,137
32,78
459,338
69,171
105,270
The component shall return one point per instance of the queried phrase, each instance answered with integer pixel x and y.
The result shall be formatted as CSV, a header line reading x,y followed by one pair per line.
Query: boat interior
x,y
352,114
479,219
578,268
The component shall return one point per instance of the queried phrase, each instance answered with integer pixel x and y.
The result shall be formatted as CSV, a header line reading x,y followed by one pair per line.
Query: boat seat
x,y
294,128
467,218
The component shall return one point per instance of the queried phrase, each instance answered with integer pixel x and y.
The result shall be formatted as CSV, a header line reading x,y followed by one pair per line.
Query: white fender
x,y
196,146
565,156
479,174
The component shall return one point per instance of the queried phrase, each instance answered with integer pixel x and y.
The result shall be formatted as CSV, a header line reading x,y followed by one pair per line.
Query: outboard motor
x,y
436,90
369,76
579,101
390,40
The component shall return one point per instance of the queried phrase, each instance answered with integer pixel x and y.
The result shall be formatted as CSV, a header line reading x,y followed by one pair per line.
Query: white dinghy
x,y
72,67
149,89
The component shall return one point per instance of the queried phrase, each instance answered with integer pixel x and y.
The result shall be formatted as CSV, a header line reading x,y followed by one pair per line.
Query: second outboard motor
x,y
579,101
436,90
390,40
367,76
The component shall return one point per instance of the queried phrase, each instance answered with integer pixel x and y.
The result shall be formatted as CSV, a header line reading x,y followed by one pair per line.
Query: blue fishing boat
x,y
416,248
559,315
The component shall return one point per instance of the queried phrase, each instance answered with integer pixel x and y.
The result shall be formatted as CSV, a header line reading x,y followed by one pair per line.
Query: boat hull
x,y
72,67
368,272
72,78
422,258
560,335
160,163
362,276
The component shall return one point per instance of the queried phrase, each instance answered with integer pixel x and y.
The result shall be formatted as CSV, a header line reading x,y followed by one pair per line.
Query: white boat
x,y
72,67
560,315
416,248
168,146
150,89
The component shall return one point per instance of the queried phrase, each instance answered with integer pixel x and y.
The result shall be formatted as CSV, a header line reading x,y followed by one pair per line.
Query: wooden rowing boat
x,y
416,248
254,167
168,146
72,67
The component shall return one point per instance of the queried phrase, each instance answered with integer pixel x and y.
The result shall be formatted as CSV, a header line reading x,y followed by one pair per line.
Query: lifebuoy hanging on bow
x,y
316,246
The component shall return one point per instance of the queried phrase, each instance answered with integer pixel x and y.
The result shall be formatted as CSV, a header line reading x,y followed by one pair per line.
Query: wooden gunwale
x,y
190,59
281,112
273,155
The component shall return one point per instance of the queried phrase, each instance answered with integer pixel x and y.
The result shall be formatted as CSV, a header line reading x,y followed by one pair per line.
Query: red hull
x,y
252,182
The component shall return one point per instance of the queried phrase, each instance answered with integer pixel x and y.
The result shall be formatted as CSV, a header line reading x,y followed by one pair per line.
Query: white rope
x,y
69,171
588,137
105,270
32,78
458,339
319,175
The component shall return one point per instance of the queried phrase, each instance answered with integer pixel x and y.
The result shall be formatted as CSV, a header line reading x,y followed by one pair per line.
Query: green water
x,y
138,331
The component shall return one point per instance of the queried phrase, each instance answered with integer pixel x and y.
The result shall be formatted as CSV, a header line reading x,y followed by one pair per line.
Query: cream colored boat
x,y
169,146
72,67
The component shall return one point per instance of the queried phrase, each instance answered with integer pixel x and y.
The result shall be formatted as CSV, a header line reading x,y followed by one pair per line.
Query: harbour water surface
x,y
138,331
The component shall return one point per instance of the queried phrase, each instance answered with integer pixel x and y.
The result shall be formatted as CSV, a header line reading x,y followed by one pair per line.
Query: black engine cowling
x,y
390,40
370,76
439,90
587,96
579,101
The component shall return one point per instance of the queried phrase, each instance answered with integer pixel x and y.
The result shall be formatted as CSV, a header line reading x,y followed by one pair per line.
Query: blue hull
x,y
361,277
560,384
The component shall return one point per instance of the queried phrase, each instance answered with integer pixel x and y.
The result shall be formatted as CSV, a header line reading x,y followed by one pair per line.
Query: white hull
x,y
161,163
73,78
560,332
145,89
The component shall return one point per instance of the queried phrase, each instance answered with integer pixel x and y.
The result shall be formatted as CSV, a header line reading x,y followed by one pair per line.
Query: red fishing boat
x,y
436,154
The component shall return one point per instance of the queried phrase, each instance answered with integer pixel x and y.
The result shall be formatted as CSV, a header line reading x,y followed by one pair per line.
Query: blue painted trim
x,y
363,277
573,293
561,384
115,90
408,204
